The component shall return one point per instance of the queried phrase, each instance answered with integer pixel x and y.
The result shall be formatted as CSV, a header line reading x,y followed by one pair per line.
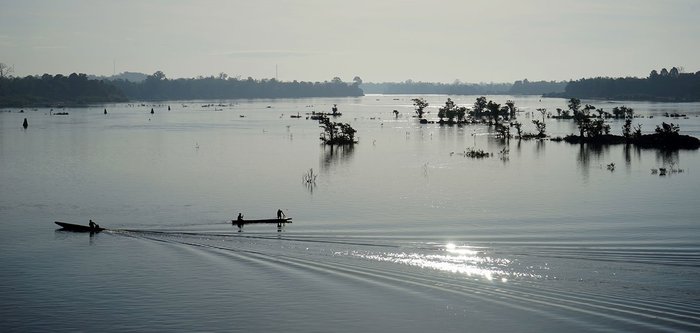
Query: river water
x,y
401,233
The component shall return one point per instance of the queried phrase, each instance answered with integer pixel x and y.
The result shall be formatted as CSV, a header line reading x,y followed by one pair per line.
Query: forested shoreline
x,y
80,89
663,86
58,90
158,87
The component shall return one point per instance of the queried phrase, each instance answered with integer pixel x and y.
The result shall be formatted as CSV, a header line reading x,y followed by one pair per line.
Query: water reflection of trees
x,y
667,157
332,155
628,150
586,154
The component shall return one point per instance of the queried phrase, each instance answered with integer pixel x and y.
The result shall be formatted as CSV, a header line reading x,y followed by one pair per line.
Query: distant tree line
x,y
526,87
456,88
158,87
49,90
521,87
673,85
78,89
666,85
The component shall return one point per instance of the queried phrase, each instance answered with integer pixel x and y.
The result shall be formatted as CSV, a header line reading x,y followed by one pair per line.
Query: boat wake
x,y
592,289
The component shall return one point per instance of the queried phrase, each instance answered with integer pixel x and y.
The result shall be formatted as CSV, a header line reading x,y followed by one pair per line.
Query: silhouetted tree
x,y
582,121
494,109
479,106
667,129
503,131
674,72
357,80
541,127
623,112
337,133
447,111
627,128
511,108
574,105
518,127
158,75
420,105
452,111
5,70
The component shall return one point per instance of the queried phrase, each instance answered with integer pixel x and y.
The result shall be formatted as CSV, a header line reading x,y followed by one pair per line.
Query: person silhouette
x,y
280,214
94,225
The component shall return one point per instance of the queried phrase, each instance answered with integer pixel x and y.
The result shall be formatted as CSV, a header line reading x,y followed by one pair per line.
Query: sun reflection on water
x,y
462,259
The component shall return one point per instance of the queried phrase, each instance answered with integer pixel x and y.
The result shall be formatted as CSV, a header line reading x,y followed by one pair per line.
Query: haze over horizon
x,y
380,41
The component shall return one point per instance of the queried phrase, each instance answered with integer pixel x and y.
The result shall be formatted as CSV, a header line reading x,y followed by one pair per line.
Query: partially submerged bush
x,y
337,133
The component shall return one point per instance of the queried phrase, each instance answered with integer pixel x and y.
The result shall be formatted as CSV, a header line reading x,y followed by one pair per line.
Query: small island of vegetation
x,y
594,130
336,133
592,127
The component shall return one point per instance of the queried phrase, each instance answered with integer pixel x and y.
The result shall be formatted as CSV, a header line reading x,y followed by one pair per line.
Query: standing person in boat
x,y
94,225
280,214
239,222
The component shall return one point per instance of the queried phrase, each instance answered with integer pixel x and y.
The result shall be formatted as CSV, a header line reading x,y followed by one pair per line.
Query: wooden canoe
x,y
78,227
273,221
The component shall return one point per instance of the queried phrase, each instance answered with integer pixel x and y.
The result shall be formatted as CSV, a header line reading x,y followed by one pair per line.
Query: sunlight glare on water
x,y
464,260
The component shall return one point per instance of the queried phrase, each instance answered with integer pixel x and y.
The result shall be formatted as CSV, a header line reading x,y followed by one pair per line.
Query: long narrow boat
x,y
78,227
273,221
279,222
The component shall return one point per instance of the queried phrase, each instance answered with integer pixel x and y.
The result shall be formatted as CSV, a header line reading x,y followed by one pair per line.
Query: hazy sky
x,y
378,40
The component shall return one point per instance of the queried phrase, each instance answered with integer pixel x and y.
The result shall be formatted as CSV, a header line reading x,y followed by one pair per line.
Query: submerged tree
x,y
479,107
518,127
574,105
494,110
511,108
541,128
543,111
420,105
337,133
667,129
503,131
452,111
627,128
597,127
623,112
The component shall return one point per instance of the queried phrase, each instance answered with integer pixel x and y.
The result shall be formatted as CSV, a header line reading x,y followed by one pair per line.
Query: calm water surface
x,y
401,233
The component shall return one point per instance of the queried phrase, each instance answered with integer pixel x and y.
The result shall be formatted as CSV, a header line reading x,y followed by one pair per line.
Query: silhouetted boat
x,y
78,227
277,221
